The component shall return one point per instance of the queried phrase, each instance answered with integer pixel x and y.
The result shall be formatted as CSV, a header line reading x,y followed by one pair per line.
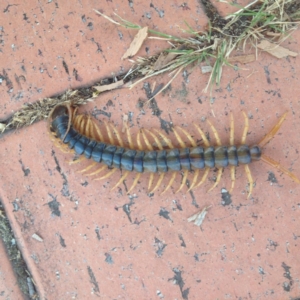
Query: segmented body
x,y
76,132
153,161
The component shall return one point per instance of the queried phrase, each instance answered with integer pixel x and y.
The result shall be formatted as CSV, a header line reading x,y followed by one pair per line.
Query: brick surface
x,y
98,243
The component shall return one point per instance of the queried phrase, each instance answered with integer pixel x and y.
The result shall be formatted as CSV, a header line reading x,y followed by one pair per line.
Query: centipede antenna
x,y
184,178
231,129
170,182
116,132
109,133
220,171
123,177
179,139
250,179
159,181
246,128
215,132
190,138
138,176
151,178
273,131
97,171
146,140
157,141
196,174
107,174
138,141
204,176
165,139
232,175
92,165
203,136
271,162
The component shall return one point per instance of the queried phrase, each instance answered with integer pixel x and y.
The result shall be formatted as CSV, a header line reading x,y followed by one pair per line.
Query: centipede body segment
x,y
80,133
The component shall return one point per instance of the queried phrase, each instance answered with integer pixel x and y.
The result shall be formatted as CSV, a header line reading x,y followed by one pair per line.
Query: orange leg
x,y
250,179
219,175
134,182
107,174
203,177
246,128
184,178
123,177
160,179
194,180
271,134
170,182
277,165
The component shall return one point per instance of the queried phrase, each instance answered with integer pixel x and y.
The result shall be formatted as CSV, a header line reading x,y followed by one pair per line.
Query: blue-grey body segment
x,y
127,159
97,152
149,162
209,157
162,161
173,161
138,162
117,157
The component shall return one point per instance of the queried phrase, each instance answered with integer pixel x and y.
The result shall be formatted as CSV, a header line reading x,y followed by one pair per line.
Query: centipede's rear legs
x,y
271,161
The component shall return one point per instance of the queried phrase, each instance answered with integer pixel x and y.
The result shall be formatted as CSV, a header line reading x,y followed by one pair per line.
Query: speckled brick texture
x,y
101,244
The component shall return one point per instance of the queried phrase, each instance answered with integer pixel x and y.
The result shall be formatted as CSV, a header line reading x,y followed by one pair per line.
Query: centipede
x,y
81,134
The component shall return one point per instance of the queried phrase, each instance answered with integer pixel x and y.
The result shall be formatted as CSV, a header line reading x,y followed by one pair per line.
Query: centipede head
x,y
64,109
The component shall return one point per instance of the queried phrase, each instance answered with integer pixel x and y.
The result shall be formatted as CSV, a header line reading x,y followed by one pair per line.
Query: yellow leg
x,y
170,182
88,167
215,132
275,164
179,139
107,174
190,138
138,176
77,161
203,136
274,130
121,180
166,140
157,141
159,181
109,133
77,121
232,173
185,175
220,171
203,177
89,128
196,174
246,128
116,132
250,180
98,135
146,140
97,171
129,137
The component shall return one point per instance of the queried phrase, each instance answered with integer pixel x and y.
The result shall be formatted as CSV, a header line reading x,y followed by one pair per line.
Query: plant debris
x,y
262,24
275,49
